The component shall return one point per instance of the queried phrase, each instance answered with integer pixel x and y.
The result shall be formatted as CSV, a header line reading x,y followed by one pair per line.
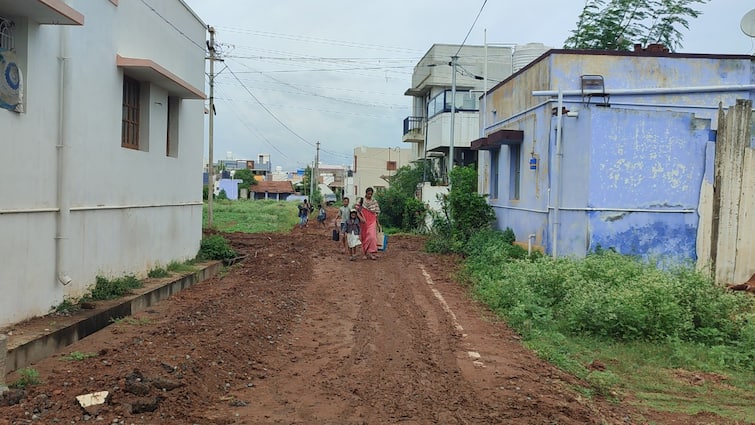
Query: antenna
x,y
748,23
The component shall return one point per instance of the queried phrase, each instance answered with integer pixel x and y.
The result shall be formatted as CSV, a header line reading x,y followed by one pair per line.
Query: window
x,y
465,101
495,155
171,140
390,165
515,161
130,123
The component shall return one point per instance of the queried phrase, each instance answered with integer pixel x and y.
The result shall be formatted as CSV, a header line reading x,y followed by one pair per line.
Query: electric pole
x,y
454,60
211,165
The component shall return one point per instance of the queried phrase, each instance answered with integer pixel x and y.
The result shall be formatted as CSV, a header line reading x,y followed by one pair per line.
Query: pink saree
x,y
368,232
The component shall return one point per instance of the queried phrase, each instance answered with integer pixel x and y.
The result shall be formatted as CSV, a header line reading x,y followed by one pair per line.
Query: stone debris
x,y
92,403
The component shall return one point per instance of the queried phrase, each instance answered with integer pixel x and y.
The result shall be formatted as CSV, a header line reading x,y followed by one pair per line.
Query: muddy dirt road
x,y
297,334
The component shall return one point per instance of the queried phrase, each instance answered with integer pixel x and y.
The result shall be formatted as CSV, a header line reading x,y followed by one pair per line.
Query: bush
x,y
464,212
108,289
215,247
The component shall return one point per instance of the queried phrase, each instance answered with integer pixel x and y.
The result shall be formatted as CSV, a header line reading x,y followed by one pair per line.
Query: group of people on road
x,y
305,209
358,226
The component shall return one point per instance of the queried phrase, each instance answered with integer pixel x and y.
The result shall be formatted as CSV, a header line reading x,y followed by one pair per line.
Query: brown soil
x,y
298,334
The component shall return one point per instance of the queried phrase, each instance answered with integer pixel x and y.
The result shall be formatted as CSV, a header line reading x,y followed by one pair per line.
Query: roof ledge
x,y
49,12
148,70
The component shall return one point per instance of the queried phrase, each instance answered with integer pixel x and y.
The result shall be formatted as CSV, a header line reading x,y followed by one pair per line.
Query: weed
x,y
67,306
176,267
108,289
158,272
78,356
215,247
131,321
29,377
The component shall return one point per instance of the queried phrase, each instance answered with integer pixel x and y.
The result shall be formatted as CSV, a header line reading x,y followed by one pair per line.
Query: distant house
x,y
274,190
113,118
588,149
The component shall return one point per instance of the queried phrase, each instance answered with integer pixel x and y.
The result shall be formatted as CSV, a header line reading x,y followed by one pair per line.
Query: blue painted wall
x,y
632,171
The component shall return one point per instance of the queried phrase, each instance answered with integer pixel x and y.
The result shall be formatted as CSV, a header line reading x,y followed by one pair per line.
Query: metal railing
x,y
414,124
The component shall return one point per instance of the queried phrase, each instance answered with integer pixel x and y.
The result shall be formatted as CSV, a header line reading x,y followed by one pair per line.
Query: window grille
x,y
6,34
130,124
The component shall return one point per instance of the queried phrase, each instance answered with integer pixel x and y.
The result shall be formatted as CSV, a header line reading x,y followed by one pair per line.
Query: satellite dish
x,y
748,23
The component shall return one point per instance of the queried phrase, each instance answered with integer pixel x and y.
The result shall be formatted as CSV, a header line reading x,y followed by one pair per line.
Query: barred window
x,y
6,34
130,123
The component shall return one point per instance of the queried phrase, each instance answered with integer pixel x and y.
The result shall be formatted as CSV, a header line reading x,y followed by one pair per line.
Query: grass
x,y
186,267
28,377
78,356
249,216
668,340
131,321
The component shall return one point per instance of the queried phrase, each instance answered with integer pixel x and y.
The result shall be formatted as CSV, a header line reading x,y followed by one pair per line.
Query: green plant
x,y
508,236
131,321
78,356
67,306
215,247
28,377
177,267
463,213
222,195
107,289
158,272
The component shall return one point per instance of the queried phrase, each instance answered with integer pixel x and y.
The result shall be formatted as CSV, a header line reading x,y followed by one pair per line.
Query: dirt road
x,y
297,334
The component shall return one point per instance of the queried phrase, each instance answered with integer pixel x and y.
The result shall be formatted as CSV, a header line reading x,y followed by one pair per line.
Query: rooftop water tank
x,y
524,54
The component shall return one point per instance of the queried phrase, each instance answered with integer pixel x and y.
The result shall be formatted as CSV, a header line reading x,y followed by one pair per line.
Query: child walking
x,y
351,229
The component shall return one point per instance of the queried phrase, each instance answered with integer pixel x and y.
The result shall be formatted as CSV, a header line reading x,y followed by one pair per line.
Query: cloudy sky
x,y
296,72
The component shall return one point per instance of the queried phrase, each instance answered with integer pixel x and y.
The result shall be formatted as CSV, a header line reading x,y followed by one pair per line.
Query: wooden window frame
x,y
131,113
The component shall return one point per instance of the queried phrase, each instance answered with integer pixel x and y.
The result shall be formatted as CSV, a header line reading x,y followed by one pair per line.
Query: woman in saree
x,y
370,209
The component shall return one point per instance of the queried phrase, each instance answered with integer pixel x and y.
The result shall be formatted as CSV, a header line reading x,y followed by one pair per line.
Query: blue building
x,y
587,149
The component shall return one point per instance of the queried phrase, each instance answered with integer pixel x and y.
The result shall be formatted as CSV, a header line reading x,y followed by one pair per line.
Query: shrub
x,y
108,289
29,377
215,247
158,272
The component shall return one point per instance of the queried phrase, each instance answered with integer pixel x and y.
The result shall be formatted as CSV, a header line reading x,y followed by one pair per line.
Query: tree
x,y
463,213
398,206
619,24
246,177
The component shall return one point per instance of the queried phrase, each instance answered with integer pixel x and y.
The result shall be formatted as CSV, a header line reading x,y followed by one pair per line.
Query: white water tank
x,y
524,54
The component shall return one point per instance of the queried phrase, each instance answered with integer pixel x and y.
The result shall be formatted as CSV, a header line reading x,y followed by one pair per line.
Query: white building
x,y
478,68
112,117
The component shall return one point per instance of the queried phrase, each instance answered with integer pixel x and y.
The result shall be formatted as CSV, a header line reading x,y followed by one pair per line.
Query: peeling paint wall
x,y
636,172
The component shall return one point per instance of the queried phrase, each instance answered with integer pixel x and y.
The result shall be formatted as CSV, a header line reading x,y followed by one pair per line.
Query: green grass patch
x,y
131,321
215,247
158,272
671,338
185,267
108,289
249,216
78,356
28,377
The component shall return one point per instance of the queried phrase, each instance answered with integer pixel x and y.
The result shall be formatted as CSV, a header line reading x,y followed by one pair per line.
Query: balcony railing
x,y
414,129
414,124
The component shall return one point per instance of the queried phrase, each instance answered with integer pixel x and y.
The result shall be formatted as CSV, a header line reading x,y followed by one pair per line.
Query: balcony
x,y
414,130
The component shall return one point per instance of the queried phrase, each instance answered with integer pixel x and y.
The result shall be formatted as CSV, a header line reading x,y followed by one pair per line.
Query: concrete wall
x,y
371,167
123,210
631,173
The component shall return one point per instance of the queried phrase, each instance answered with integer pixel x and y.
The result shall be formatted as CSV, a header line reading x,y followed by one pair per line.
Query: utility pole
x,y
211,165
454,60
317,166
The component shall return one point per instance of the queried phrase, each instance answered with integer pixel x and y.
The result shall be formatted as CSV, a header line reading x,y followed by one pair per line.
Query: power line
x,y
173,25
275,117
470,28
320,40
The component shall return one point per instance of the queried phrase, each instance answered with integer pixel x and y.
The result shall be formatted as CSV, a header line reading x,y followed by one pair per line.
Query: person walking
x,y
303,214
352,230
370,210
340,221
321,215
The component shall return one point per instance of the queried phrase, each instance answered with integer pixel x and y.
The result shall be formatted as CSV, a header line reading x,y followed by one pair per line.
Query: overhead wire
x,y
173,26
471,27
